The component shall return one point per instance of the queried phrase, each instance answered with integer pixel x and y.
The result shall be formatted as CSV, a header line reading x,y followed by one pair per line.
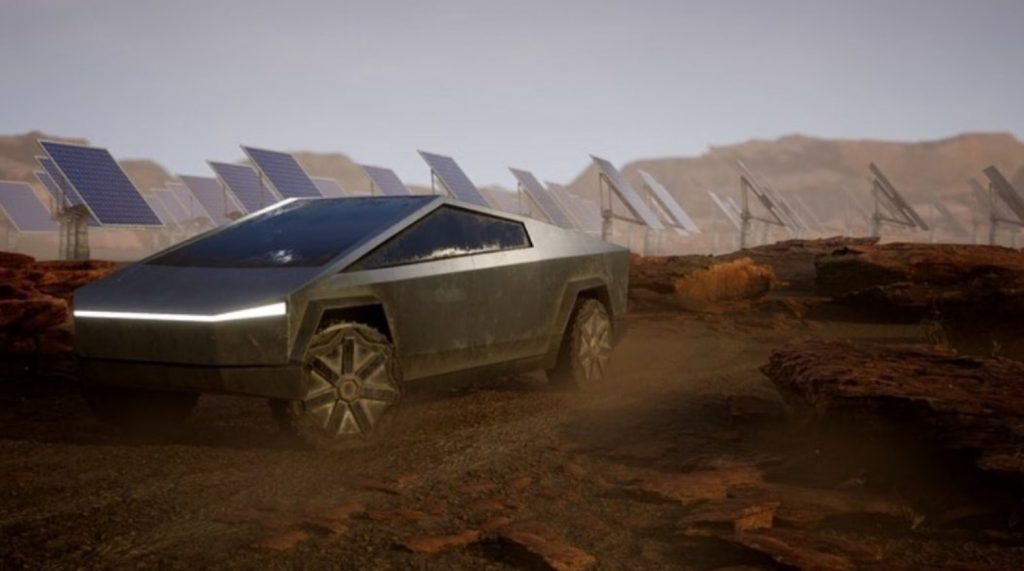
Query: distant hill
x,y
816,169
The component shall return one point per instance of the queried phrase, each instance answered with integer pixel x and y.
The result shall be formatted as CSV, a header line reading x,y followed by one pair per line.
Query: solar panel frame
x,y
454,179
210,195
329,187
386,181
896,198
669,203
627,194
586,214
1006,192
283,173
158,207
50,186
105,189
23,209
766,198
542,198
244,182
173,206
724,208
188,200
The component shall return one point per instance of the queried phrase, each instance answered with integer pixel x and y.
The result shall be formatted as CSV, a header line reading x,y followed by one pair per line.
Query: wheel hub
x,y
349,390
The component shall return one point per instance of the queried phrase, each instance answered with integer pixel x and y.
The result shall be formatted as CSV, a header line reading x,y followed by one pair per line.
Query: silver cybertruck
x,y
327,307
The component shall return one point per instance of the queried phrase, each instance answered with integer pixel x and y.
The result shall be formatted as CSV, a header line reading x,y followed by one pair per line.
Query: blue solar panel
x,y
328,187
71,196
99,180
453,179
210,195
533,189
23,208
386,181
284,173
51,187
244,182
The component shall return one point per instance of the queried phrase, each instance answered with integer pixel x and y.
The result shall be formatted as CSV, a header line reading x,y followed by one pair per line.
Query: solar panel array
x,y
104,187
627,194
328,187
244,182
1005,191
669,203
547,205
454,179
210,196
173,206
284,173
726,209
23,209
586,214
386,181
902,207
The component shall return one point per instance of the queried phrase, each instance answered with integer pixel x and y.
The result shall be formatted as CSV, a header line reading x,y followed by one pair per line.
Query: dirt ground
x,y
230,491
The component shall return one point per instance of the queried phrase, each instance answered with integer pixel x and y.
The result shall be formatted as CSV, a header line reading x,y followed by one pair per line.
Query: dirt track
x,y
231,492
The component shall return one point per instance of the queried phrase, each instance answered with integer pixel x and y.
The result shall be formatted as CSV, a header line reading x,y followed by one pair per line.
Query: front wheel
x,y
353,385
586,348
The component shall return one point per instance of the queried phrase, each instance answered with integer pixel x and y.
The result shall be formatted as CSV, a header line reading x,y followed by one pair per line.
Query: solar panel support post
x,y
745,216
604,190
995,220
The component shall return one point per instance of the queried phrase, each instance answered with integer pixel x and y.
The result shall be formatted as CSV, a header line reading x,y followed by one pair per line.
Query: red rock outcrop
x,y
964,403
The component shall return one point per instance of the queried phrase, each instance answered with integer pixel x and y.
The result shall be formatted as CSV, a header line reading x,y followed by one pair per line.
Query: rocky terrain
x,y
759,417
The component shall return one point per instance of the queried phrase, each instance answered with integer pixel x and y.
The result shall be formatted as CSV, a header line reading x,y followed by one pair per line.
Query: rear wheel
x,y
138,407
353,386
586,348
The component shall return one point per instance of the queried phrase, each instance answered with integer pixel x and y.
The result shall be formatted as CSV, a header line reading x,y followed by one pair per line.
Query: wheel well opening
x,y
372,315
600,293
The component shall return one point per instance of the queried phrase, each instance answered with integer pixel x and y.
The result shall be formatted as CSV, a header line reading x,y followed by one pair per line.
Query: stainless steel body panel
x,y
500,311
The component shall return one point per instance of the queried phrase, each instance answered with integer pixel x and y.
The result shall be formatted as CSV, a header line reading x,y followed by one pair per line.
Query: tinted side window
x,y
446,233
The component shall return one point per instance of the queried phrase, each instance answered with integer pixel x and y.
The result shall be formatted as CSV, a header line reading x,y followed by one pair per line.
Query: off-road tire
x,y
354,386
586,348
138,408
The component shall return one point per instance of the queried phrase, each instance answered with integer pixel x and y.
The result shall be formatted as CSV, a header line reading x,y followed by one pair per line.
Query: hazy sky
x,y
535,84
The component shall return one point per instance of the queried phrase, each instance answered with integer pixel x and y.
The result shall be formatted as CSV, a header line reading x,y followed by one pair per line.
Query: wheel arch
x,y
320,314
592,288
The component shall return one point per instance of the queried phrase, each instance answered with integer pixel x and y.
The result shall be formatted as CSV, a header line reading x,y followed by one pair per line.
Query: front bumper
x,y
277,382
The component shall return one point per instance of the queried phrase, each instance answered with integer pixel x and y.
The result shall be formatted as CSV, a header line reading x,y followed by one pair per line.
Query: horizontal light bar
x,y
271,310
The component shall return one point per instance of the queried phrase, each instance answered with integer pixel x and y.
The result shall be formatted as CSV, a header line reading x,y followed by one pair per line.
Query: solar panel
x,y
725,209
586,214
328,187
669,203
51,187
160,211
23,208
764,196
902,207
386,181
173,206
104,187
947,217
192,206
210,196
72,198
244,182
542,198
284,173
809,214
1005,191
504,200
454,179
628,195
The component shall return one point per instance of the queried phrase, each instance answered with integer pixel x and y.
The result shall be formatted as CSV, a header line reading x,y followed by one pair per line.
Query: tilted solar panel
x,y
50,185
902,206
386,181
158,207
627,194
725,209
172,205
104,187
23,209
454,179
283,172
211,196
328,187
669,203
586,214
244,182
1005,191
195,209
537,193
